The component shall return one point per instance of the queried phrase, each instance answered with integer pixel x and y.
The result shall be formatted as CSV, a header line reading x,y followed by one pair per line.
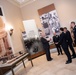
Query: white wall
x,y
65,9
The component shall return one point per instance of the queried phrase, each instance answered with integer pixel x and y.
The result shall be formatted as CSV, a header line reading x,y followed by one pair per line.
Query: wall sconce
x,y
11,32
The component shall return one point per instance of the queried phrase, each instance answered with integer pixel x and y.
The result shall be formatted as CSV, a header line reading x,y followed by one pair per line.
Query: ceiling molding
x,y
29,2
22,1
13,2
21,4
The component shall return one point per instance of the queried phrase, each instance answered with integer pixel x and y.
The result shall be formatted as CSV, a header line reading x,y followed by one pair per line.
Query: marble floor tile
x,y
43,67
65,72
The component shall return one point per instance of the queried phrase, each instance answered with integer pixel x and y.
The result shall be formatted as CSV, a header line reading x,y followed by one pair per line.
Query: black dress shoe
x,y
68,62
58,54
50,59
73,57
61,53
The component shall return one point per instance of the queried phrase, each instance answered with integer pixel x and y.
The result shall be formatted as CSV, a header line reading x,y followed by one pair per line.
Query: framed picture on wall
x,y
49,20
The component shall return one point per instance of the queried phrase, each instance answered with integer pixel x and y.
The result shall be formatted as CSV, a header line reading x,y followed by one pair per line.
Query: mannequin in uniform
x,y
4,44
74,30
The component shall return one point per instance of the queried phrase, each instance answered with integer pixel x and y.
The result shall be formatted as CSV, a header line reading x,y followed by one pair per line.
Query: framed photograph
x,y
49,20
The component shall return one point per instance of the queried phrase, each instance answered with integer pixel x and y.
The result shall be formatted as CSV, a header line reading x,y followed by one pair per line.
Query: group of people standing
x,y
62,42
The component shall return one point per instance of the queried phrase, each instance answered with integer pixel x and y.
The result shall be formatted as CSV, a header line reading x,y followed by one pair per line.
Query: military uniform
x,y
56,40
74,31
64,45
70,43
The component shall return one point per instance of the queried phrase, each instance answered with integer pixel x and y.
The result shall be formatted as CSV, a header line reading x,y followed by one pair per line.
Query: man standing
x,y
56,40
74,30
46,47
69,41
64,45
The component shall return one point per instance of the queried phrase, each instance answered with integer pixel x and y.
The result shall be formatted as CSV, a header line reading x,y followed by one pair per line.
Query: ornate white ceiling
x,y
21,3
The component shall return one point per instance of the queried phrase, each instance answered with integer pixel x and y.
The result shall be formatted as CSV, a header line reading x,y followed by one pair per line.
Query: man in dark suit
x,y
46,47
64,45
56,40
69,41
74,30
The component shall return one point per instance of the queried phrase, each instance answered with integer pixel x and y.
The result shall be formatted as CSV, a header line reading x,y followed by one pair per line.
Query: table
x,y
12,64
